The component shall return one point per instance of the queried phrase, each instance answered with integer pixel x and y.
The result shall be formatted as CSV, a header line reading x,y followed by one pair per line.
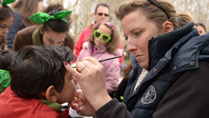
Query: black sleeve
x,y
121,89
188,97
113,109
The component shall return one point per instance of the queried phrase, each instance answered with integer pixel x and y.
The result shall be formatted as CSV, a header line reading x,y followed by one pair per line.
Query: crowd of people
x,y
165,77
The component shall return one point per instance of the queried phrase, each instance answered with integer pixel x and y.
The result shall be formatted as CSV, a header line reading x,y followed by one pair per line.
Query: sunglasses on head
x,y
105,37
101,14
154,2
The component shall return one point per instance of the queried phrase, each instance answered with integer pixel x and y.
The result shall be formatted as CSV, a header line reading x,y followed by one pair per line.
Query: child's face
x,y
68,92
104,30
4,26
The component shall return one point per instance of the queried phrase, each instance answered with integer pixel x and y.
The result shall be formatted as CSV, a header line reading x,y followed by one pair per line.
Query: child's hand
x,y
81,105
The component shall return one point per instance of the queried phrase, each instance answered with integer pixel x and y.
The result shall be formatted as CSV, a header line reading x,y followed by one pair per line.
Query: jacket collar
x,y
159,45
37,37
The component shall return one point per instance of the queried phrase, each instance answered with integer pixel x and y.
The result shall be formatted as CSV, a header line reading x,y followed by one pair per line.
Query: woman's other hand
x,y
81,105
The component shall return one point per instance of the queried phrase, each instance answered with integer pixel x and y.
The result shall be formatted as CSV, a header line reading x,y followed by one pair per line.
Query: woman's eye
x,y
137,33
2,26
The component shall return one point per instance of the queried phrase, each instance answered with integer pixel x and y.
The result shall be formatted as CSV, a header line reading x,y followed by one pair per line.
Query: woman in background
x,y
201,28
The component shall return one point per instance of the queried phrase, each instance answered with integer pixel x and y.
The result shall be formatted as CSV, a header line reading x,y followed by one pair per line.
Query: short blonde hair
x,y
111,45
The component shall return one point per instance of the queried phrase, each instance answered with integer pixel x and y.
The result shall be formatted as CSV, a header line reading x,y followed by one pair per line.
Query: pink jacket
x,y
112,68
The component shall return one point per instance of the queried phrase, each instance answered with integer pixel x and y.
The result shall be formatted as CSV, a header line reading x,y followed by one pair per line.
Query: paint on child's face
x,y
104,30
4,27
68,92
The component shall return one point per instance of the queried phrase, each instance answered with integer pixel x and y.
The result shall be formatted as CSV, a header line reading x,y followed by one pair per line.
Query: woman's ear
x,y
168,27
51,94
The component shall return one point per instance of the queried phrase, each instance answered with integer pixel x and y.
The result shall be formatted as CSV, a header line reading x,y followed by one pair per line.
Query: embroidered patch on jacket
x,y
149,96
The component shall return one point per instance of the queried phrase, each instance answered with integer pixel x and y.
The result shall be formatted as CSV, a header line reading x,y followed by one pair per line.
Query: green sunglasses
x,y
105,37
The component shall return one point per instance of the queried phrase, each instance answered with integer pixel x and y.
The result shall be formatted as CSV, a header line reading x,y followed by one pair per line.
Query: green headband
x,y
42,17
5,2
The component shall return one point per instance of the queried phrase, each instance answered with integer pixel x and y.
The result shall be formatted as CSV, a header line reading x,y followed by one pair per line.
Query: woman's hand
x,y
91,77
81,105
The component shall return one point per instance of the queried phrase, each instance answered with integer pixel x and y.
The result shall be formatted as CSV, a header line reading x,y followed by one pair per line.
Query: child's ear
x,y
51,94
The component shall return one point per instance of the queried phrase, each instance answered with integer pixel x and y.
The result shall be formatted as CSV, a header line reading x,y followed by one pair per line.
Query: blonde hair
x,y
151,11
111,45
26,8
184,18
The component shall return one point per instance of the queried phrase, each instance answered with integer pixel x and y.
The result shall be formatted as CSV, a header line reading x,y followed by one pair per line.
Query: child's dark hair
x,y
6,58
36,68
111,45
5,12
59,26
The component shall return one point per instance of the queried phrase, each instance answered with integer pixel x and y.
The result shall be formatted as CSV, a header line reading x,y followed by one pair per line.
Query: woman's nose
x,y
130,45
6,30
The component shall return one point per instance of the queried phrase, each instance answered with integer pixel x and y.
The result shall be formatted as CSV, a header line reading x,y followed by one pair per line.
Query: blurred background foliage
x,y
83,12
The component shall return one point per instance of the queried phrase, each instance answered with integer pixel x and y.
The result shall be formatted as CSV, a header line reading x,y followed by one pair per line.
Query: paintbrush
x,y
104,60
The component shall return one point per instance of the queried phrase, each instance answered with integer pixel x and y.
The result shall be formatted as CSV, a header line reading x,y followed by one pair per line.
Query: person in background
x,y
6,56
102,44
174,55
39,84
101,14
23,9
6,20
1,1
53,29
201,28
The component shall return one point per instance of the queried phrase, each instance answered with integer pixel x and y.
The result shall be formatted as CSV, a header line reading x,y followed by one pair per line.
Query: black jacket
x,y
177,83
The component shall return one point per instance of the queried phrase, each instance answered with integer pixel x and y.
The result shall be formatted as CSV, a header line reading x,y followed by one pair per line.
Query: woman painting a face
x,y
168,50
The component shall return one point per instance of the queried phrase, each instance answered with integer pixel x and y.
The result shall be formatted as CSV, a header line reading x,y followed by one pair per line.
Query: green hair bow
x,y
5,2
4,79
42,17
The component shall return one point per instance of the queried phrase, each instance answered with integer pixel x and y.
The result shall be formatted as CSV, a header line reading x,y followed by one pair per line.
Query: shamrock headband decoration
x,y
5,2
42,17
